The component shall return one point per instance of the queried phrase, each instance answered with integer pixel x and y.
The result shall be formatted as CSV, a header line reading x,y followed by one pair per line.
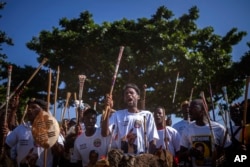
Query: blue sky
x,y
23,19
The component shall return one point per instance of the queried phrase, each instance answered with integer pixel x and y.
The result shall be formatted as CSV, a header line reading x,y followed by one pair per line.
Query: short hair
x,y
197,102
90,111
93,152
133,86
184,103
43,104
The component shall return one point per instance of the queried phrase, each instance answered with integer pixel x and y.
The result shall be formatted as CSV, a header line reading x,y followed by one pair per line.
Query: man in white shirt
x,y
135,129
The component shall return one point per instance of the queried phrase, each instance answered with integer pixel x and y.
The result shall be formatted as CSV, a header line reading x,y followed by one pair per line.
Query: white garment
x,y
173,138
21,138
180,126
84,144
126,122
194,135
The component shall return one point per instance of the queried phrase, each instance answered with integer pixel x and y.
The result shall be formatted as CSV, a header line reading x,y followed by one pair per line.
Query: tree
x,y
156,49
4,39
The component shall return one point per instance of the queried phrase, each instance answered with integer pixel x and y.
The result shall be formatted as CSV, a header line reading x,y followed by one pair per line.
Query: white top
x,y
200,137
173,139
21,138
181,125
133,123
84,144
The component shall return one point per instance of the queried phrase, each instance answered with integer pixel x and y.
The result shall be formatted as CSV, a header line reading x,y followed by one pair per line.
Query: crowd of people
x,y
195,141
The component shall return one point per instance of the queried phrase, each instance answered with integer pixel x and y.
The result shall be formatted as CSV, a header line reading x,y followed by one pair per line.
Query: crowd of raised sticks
x,y
194,141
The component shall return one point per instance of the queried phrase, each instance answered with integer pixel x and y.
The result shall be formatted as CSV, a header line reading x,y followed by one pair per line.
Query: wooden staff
x,y
82,79
49,89
177,78
48,106
143,101
168,155
107,108
66,105
164,126
213,149
24,114
110,141
212,102
76,105
145,134
12,94
19,91
245,110
227,116
38,68
94,107
56,88
190,99
8,93
6,109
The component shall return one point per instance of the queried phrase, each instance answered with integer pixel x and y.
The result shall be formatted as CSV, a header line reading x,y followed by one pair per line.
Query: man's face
x,y
158,116
89,121
131,97
195,111
32,111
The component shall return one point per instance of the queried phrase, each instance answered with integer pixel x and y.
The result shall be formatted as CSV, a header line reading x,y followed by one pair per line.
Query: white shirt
x,y
181,125
84,144
194,135
126,122
173,139
21,138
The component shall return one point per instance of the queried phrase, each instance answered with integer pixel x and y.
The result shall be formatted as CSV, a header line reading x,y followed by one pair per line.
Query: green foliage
x,y
156,49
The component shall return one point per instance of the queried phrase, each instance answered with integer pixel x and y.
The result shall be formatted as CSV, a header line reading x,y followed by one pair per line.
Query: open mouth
x,y
130,100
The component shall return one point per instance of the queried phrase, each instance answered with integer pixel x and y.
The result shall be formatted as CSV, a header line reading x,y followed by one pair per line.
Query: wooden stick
x,y
12,94
190,99
82,79
48,106
76,106
145,134
8,93
212,102
66,105
94,107
245,110
245,101
25,111
17,91
214,152
143,101
35,72
49,89
175,87
106,110
6,109
56,88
